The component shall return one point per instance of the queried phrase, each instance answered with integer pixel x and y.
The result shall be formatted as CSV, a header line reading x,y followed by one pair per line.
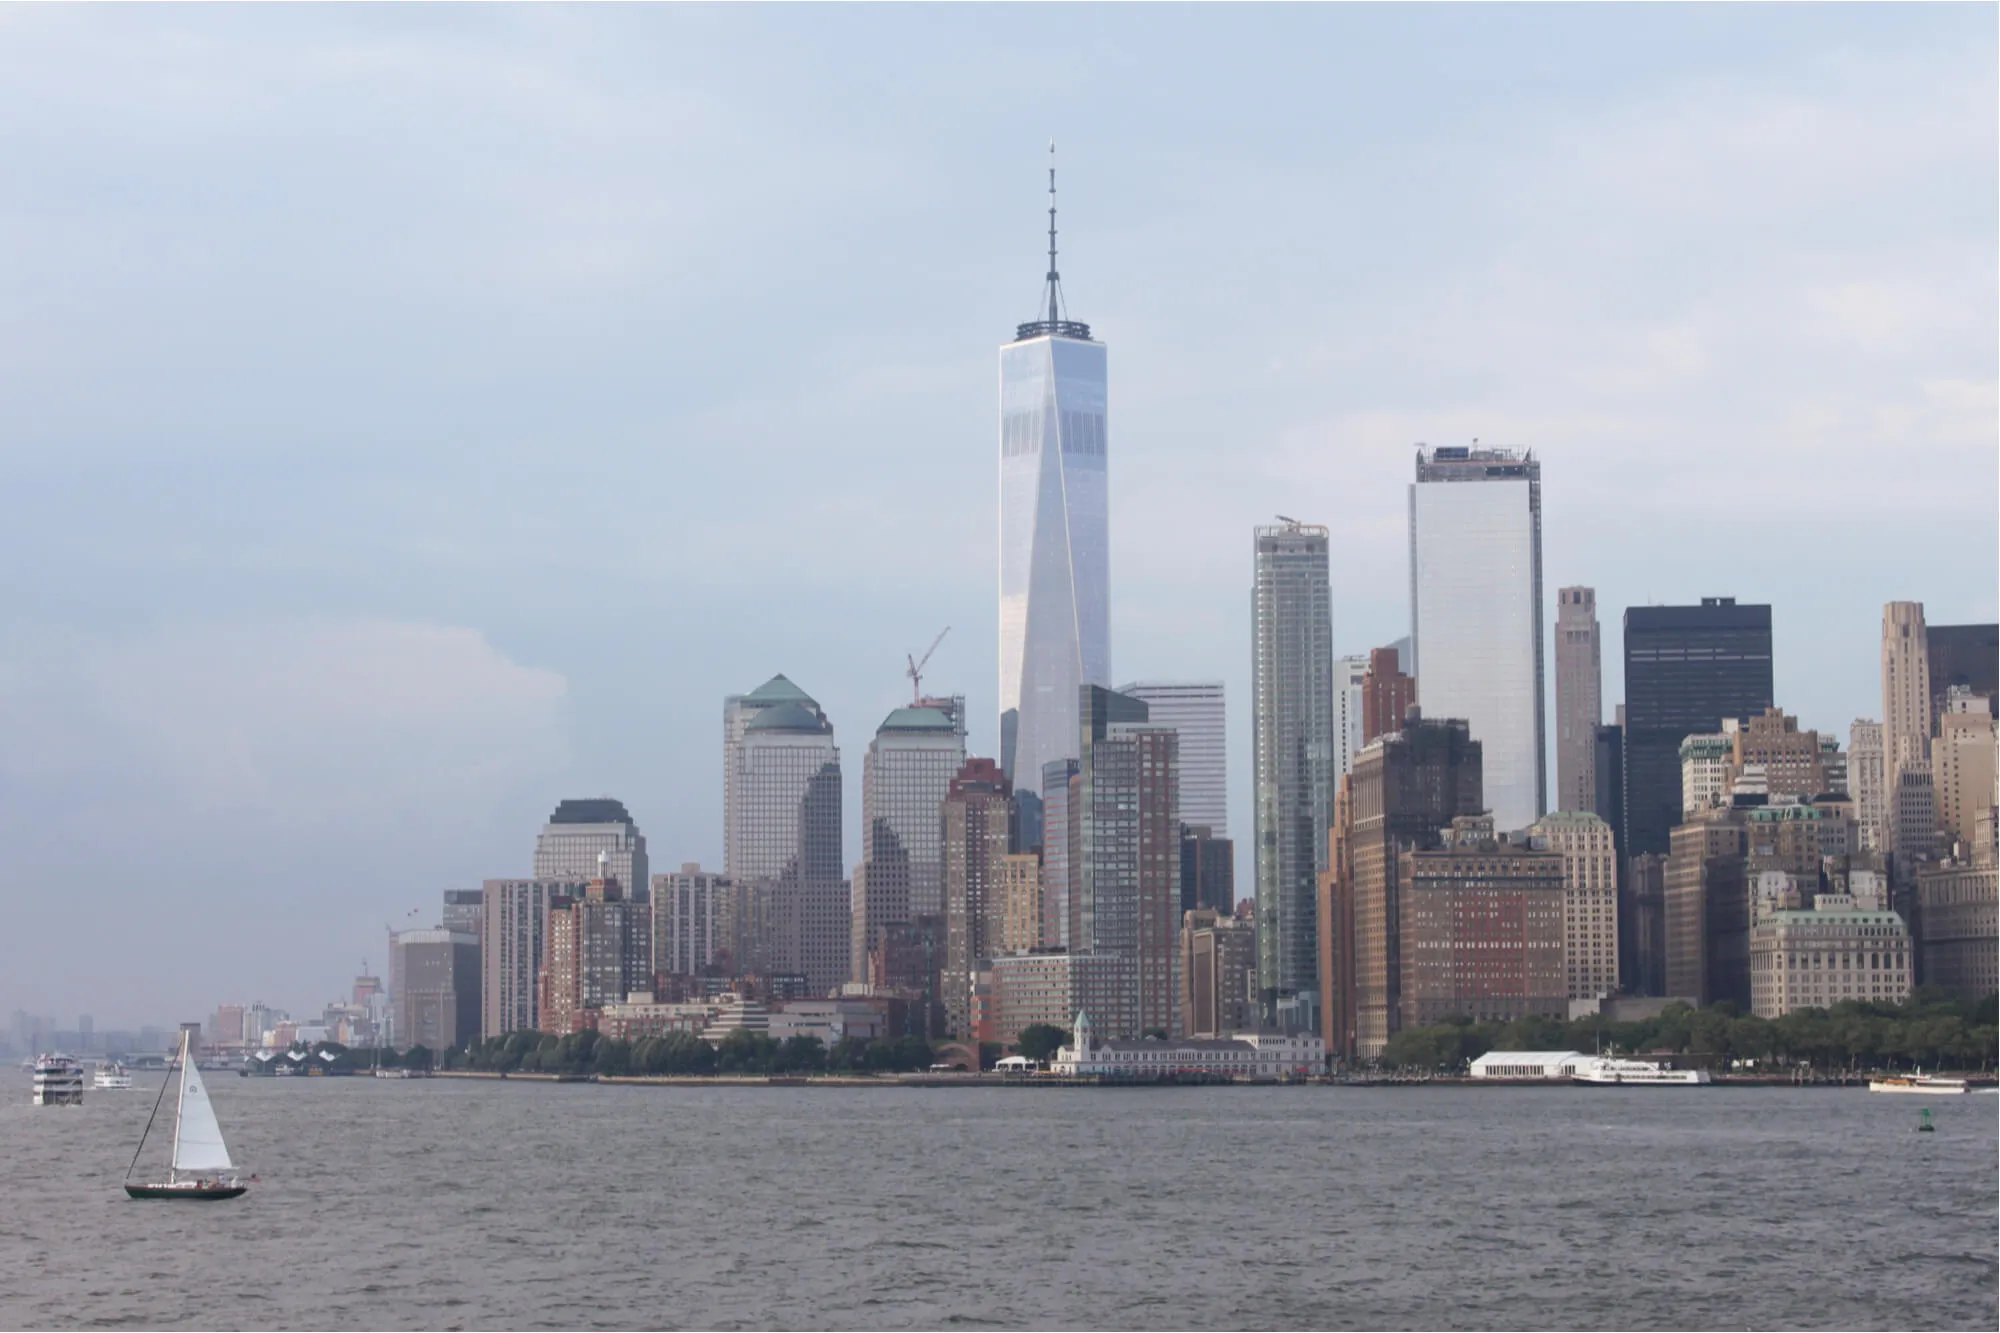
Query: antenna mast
x,y
1055,278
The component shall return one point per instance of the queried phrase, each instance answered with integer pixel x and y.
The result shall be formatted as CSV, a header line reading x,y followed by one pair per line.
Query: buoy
x,y
1924,1125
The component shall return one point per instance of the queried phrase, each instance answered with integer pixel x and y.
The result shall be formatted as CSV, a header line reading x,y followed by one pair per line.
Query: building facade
x,y
1208,870
434,988
1196,710
977,813
1476,613
1387,693
1590,900
692,922
599,950
579,831
1814,959
1049,986
1350,675
464,911
1958,920
1967,656
904,777
1251,1057
1482,929
1906,688
1061,849
1294,748
1218,974
1707,910
1055,579
512,949
1579,698
1865,774
1963,763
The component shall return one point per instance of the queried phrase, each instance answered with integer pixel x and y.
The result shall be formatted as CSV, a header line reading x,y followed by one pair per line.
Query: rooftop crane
x,y
917,664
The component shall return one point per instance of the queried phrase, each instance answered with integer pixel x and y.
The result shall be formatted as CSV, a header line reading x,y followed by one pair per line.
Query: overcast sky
x,y
413,417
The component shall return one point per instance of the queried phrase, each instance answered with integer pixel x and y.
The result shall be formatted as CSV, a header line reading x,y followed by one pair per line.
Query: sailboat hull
x,y
189,1191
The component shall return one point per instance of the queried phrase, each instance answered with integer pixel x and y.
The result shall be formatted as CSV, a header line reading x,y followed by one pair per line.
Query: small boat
x,y
112,1076
58,1080
199,1167
1931,1085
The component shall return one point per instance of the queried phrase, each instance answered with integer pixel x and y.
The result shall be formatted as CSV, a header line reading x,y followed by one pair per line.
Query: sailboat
x,y
200,1167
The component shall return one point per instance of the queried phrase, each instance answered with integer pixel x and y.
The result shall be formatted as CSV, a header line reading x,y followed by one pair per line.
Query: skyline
x,y
359,517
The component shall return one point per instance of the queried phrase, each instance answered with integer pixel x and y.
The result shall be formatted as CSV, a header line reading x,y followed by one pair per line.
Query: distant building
x,y
1208,870
1590,900
904,776
1476,613
1350,674
1865,771
1579,698
1707,770
1958,920
1963,763
1707,910
692,922
512,949
1386,695
1021,892
1061,849
579,831
599,949
434,987
1293,759
976,815
1195,710
910,963
1482,929
1251,1056
1049,986
1906,688
1816,959
1642,920
1967,656
464,911
1218,974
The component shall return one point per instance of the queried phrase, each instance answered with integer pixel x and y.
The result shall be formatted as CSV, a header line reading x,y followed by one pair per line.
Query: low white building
x,y
1529,1064
1249,1056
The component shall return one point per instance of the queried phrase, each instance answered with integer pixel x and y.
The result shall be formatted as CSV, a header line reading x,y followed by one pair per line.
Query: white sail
x,y
197,1137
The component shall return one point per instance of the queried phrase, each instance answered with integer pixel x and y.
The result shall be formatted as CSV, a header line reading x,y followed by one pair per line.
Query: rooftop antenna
x,y
1055,278
916,670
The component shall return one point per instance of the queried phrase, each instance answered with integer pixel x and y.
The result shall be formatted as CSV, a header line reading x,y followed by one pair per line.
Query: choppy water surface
x,y
448,1203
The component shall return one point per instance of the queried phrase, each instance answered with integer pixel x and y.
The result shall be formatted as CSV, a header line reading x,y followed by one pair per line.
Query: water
x,y
461,1204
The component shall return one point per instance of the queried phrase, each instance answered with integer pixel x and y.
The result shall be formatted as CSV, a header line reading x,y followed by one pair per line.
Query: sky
x,y
412,417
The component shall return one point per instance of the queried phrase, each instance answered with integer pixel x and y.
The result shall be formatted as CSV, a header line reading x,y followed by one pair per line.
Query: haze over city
x,y
415,418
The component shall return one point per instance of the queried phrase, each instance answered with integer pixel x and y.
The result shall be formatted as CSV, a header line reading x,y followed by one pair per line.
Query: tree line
x,y
684,1053
1930,1031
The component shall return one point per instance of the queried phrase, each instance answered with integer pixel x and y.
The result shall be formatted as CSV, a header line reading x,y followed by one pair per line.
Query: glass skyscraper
x,y
1476,614
1055,598
1296,747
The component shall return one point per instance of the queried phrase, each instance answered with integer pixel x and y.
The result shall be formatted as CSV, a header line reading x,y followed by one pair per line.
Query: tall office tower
x,y
1610,776
1208,870
1906,688
1350,674
1590,899
1579,698
691,922
569,845
599,950
1061,851
1386,695
1055,579
434,988
1126,849
1293,749
1962,762
1686,669
1404,791
1642,920
1482,928
1868,781
784,803
1476,613
1195,710
1218,974
904,777
1706,903
513,949
464,911
1021,885
1964,655
976,815
737,712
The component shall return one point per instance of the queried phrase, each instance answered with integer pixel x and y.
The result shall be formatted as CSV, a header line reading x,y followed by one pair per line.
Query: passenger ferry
x,y
1609,1070
112,1076
1928,1084
58,1080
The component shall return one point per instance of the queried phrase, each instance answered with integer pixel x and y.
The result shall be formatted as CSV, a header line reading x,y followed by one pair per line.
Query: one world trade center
x,y
1054,527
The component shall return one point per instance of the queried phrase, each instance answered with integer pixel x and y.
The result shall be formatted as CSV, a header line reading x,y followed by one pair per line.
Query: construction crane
x,y
917,664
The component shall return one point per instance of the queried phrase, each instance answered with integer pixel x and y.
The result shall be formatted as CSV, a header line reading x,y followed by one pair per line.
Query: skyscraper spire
x,y
1050,316
1055,278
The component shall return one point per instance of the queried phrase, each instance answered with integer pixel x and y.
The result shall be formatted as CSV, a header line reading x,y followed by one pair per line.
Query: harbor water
x,y
448,1203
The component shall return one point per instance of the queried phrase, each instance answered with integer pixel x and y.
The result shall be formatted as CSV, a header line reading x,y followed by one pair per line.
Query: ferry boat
x,y
58,1080
1929,1085
112,1076
1605,1070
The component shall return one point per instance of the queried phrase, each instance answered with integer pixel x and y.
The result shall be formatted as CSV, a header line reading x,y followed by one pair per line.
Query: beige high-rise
x,y
1865,775
1590,900
1579,698
1906,689
1963,763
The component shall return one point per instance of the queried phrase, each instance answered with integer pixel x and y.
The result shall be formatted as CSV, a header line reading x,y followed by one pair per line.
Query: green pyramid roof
x,y
779,690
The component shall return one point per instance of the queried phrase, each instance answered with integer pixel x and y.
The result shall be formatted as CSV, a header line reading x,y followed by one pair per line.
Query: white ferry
x,y
58,1080
1930,1085
1609,1070
112,1076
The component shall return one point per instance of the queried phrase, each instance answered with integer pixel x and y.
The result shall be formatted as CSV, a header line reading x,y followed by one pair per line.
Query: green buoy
x,y
1924,1125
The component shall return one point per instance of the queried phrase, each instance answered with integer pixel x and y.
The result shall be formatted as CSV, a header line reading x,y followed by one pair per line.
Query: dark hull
x,y
183,1192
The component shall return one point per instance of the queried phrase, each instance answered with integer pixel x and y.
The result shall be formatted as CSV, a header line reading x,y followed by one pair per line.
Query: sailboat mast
x,y
180,1102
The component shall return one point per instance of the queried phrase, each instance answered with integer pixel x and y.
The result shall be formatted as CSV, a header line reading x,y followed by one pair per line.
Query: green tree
x,y
801,1055
848,1054
1039,1041
745,1052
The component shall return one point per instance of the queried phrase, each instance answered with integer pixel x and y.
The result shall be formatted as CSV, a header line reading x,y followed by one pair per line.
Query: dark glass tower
x,y
1686,668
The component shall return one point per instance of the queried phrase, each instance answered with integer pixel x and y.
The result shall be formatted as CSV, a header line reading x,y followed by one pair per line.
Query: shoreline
x,y
1974,1082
